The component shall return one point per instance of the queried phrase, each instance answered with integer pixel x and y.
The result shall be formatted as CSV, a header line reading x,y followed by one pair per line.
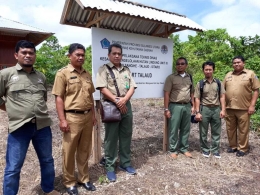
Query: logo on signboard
x,y
164,49
105,43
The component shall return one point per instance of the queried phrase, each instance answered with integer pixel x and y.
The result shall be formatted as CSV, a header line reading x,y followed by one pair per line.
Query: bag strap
x,y
114,79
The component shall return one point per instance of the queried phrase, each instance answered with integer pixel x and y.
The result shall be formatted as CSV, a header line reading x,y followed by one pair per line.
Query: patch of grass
x,y
102,179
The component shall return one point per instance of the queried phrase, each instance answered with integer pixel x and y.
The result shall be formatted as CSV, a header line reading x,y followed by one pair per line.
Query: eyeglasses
x,y
178,64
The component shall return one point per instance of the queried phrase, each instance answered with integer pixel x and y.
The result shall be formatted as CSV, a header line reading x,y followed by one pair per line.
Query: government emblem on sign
x,y
105,43
164,49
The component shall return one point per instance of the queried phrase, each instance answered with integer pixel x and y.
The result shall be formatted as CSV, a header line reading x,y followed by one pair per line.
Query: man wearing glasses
x,y
178,97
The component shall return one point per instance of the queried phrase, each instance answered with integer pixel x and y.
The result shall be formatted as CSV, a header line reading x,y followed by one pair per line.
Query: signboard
x,y
148,58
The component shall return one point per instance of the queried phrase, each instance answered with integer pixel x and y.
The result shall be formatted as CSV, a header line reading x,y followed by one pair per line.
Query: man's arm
x,y
192,103
223,105
251,109
60,110
198,116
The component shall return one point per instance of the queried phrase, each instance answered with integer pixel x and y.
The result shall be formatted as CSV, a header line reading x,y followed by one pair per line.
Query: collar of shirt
x,y
19,67
205,80
71,69
244,71
186,74
111,65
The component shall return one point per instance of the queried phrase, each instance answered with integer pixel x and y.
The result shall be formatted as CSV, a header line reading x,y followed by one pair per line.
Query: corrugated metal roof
x,y
13,28
10,24
125,16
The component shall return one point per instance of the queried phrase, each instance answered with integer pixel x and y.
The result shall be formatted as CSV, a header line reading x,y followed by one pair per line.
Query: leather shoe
x,y
111,176
231,150
88,186
187,154
130,170
72,190
240,153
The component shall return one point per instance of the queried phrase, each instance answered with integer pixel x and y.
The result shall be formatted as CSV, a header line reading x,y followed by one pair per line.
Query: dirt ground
x,y
157,173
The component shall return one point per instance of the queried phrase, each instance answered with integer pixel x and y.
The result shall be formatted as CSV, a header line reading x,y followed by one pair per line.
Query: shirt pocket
x,y
74,85
245,81
18,92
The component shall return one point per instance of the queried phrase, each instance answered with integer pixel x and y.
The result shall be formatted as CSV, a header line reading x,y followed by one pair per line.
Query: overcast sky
x,y
239,17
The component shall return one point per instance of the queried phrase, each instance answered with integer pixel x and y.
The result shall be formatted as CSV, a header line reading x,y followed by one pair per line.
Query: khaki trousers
x,y
237,123
77,143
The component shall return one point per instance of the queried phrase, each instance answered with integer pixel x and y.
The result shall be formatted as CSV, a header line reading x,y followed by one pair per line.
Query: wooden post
x,y
165,135
96,137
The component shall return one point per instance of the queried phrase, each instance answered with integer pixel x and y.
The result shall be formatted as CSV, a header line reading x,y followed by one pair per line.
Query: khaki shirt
x,y
239,89
26,96
210,94
123,78
76,88
179,88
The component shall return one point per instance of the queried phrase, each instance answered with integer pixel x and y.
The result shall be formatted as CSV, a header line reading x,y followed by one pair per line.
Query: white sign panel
x,y
148,58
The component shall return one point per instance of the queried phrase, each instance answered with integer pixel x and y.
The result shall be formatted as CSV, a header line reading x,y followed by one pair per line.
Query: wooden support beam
x,y
165,135
96,136
97,20
156,30
166,31
91,17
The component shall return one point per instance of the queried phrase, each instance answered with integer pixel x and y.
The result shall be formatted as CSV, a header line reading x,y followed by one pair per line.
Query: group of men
x,y
25,94
234,99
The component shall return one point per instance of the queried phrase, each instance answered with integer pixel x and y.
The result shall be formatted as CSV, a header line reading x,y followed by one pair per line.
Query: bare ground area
x,y
157,173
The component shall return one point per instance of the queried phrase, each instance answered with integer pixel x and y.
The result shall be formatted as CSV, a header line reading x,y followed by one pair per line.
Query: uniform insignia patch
x,y
15,78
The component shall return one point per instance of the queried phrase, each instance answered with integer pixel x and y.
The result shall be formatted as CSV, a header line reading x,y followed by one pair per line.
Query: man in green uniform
x,y
178,97
117,131
25,92
242,90
73,89
207,106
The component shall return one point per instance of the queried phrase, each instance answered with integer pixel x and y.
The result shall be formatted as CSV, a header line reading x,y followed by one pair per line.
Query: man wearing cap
x,y
209,97
242,90
178,97
73,89
25,93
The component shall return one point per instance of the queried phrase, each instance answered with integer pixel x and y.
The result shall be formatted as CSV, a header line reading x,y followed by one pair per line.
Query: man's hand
x,y
251,110
198,117
123,109
120,102
64,127
222,114
167,113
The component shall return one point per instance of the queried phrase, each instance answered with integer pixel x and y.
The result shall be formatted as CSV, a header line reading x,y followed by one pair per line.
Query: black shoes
x,y
72,190
88,186
240,153
231,150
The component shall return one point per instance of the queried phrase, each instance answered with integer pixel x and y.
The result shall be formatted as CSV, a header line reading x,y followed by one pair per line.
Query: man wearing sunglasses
x,y
178,105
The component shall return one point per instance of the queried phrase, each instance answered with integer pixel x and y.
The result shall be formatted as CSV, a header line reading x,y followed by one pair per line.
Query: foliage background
x,y
212,45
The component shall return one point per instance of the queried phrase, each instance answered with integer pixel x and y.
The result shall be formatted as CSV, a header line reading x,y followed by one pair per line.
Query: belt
x,y
78,111
211,106
180,102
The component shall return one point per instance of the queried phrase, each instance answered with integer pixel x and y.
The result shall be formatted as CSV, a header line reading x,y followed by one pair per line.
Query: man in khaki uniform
x,y
25,92
178,96
73,89
117,131
242,90
208,109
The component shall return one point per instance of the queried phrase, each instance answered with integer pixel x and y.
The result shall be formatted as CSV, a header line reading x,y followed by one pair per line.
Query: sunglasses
x,y
178,64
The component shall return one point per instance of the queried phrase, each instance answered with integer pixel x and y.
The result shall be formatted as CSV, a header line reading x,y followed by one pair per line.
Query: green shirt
x,y
25,97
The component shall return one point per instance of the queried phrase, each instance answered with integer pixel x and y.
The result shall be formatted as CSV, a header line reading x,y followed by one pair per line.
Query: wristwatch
x,y
166,109
197,112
